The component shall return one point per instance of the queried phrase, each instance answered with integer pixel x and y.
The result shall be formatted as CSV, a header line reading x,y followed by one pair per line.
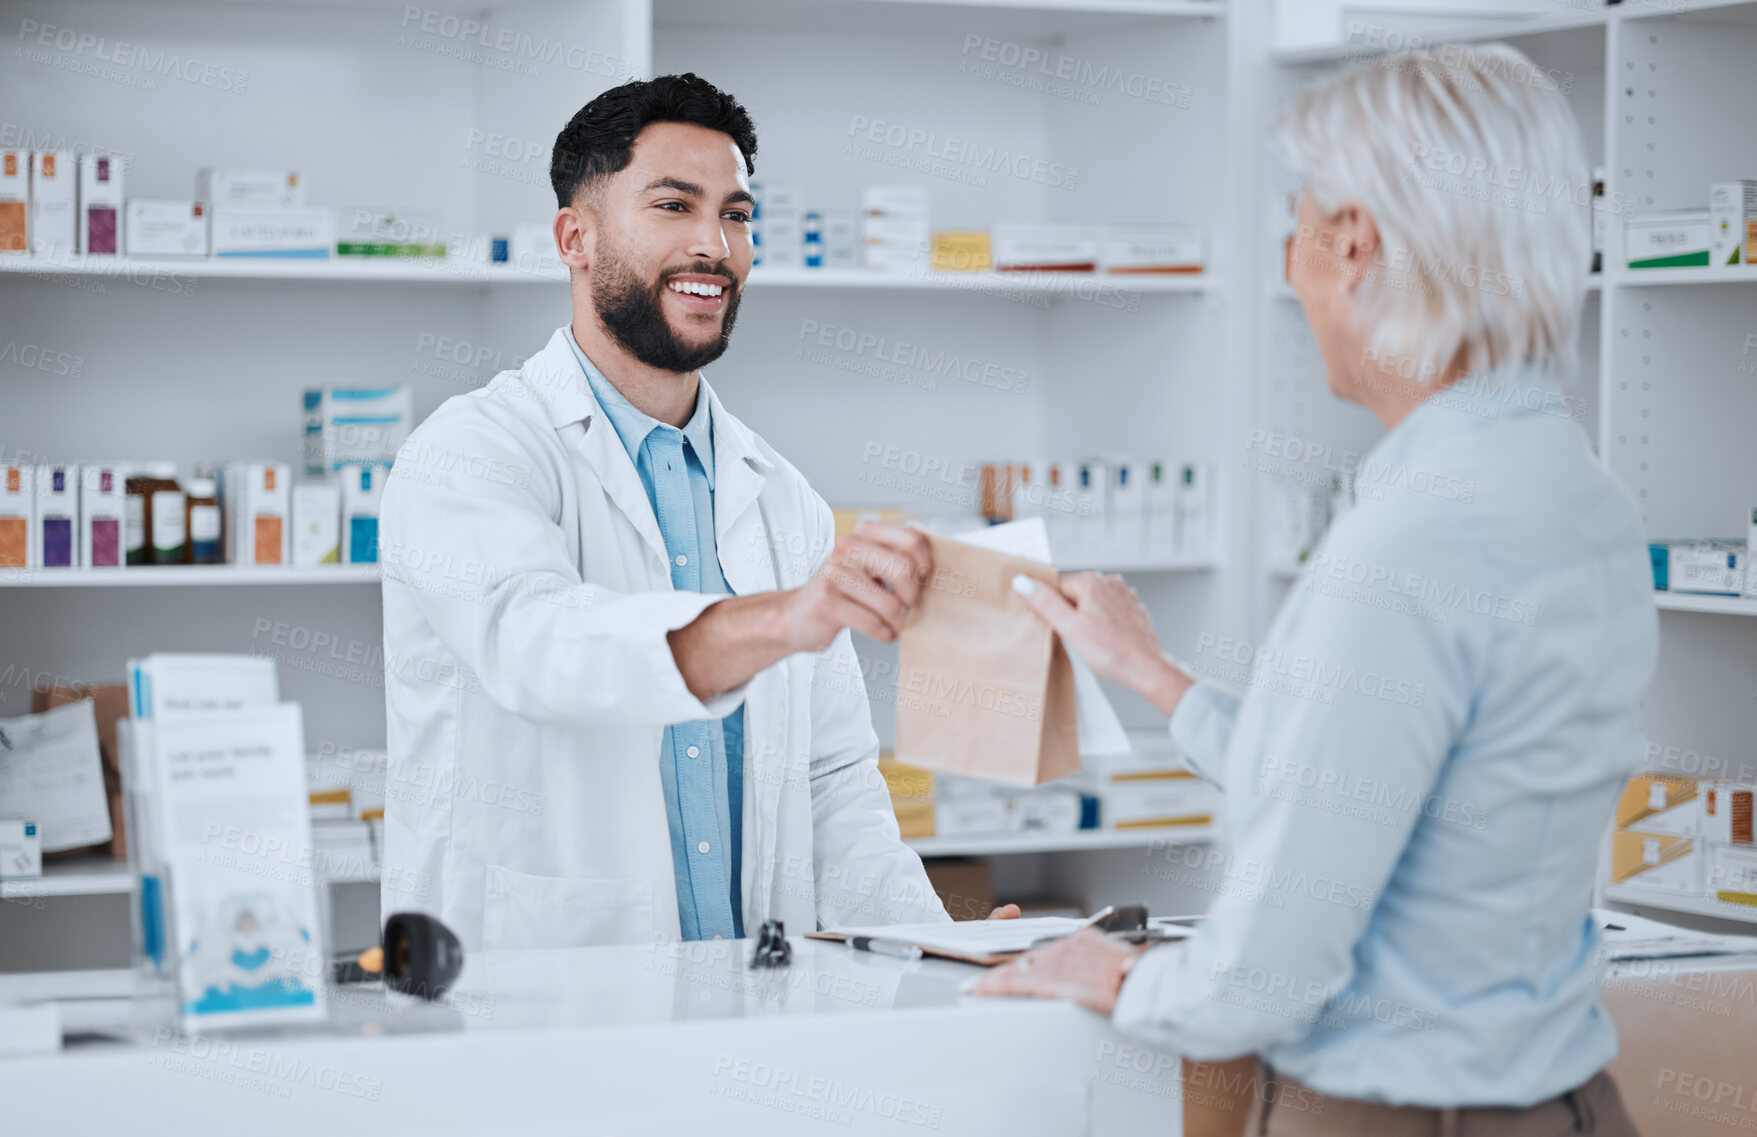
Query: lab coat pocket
x,y
527,911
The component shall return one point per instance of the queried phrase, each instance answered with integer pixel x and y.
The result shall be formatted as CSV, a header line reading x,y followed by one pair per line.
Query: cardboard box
x,y
1732,874
18,510
100,204
1046,248
258,507
234,188
103,507
165,228
962,250
1661,803
1713,568
1672,239
57,516
304,234
362,493
15,200
1732,217
964,885
317,524
54,229
1154,801
1152,249
1667,862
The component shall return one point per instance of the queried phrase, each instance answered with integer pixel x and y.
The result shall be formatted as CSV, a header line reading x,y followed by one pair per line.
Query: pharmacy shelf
x,y
1021,17
1677,902
1656,277
1690,602
1397,39
171,576
999,844
34,986
167,273
86,876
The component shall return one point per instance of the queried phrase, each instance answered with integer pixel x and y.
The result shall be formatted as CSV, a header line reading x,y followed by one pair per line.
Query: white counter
x,y
642,1039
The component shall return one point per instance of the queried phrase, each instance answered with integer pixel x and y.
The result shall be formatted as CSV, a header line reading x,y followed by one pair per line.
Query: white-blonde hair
x,y
1470,161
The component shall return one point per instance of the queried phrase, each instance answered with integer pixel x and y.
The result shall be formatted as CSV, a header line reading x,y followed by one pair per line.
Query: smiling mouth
x,y
695,288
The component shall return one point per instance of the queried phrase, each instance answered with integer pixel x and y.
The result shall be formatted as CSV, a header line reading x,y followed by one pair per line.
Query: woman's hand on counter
x,y
1102,621
1087,967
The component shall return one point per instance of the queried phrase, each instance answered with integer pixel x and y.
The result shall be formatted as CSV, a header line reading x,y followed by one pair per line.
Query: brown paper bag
x,y
984,686
111,701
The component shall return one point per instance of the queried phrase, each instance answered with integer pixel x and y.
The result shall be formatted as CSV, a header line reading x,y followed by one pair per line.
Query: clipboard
x,y
989,943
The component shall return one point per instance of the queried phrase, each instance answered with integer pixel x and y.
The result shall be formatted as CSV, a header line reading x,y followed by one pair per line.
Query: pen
x,y
896,949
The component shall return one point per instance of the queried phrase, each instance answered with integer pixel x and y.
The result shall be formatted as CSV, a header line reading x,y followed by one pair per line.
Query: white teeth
x,y
695,289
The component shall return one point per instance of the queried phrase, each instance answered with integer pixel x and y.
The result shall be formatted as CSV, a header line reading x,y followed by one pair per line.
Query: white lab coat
x,y
528,682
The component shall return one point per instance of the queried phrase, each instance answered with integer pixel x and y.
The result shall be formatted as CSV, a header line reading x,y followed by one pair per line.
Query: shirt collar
x,y
632,425
1500,393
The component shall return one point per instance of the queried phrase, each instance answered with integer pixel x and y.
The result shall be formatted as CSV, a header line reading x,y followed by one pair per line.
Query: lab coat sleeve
x,y
865,874
1201,727
1329,769
472,543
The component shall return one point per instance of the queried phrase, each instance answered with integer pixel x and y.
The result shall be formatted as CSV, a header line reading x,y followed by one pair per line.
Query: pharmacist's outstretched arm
x,y
1102,621
869,582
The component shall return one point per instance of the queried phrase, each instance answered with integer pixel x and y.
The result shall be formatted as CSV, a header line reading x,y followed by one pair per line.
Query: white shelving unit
x,y
81,877
1654,91
186,576
1001,844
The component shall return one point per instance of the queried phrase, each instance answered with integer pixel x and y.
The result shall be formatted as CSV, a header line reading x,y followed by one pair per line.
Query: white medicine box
x,y
258,505
21,848
166,228
54,189
362,493
317,524
226,187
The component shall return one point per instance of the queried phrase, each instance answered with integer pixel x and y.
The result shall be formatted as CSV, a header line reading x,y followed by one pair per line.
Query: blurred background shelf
x,y
1674,902
84,876
1689,602
996,844
171,576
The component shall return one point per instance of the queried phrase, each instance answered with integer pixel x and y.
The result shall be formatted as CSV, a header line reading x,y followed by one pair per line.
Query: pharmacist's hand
x,y
869,582
1005,912
1101,620
1087,967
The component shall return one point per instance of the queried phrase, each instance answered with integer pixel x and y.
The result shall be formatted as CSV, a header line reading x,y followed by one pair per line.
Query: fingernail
x,y
1024,585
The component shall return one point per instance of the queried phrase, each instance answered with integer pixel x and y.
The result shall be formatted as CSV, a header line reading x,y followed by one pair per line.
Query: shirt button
x,y
694,752
701,846
682,560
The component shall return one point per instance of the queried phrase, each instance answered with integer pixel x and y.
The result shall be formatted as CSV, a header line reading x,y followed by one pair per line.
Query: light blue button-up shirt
x,y
1417,779
701,764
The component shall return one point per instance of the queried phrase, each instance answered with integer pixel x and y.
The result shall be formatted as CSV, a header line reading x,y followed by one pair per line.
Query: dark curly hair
x,y
599,140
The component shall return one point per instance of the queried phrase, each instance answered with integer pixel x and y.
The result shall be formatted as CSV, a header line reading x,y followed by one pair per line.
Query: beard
x,y
631,309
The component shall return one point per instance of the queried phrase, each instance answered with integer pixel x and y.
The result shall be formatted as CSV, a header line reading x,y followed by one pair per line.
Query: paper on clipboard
x,y
1099,730
984,942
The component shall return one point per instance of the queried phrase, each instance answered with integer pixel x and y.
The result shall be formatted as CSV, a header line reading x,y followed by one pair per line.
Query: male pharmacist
x,y
622,698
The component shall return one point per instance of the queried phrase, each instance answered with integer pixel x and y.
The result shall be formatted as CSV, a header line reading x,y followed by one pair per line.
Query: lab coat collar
x,y
555,377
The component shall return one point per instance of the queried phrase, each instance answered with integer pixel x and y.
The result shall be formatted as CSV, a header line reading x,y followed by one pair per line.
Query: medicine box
x,y
1715,568
1732,874
57,516
102,509
21,848
1668,862
294,233
1670,239
366,425
15,180
1046,248
1156,800
903,201
231,188
1661,803
100,204
840,236
962,250
1149,249
1197,510
1726,814
362,492
1732,215
165,228
368,232
317,524
258,504
18,506
54,189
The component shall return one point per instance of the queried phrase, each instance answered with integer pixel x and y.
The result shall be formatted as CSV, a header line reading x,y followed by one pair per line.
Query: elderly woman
x,y
1444,711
